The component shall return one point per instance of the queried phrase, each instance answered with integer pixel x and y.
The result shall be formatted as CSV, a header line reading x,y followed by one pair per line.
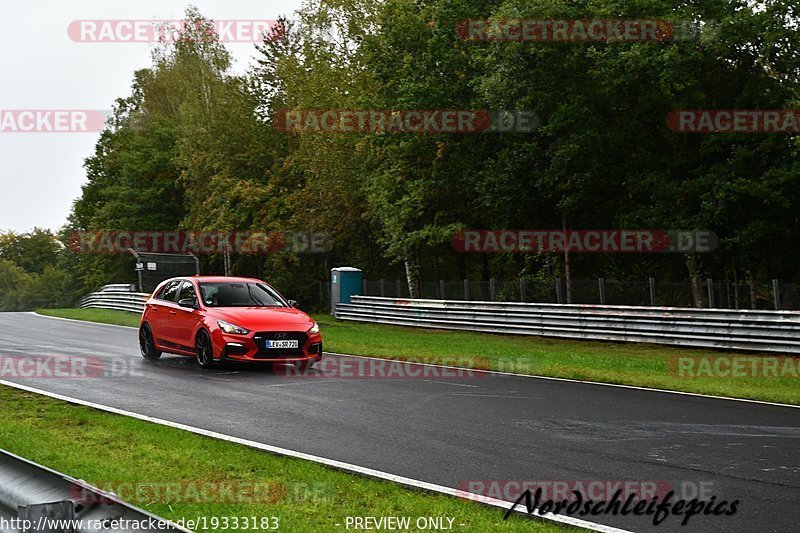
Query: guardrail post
x,y
491,289
652,283
139,267
521,289
466,289
383,290
558,290
196,264
601,289
728,293
441,289
776,294
710,284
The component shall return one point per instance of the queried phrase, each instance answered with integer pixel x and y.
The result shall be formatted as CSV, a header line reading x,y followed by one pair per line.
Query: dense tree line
x,y
196,147
31,273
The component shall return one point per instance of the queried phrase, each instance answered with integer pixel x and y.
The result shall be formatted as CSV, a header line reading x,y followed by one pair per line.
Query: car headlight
x,y
314,329
227,327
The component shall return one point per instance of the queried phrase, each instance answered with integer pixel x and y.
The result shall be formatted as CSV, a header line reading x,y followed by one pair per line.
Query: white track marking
x,y
423,485
451,384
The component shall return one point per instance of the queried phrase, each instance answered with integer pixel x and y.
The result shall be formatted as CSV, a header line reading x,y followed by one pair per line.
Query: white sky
x,y
42,68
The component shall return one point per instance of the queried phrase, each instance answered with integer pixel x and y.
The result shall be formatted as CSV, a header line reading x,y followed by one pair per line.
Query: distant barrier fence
x,y
715,294
764,331
120,297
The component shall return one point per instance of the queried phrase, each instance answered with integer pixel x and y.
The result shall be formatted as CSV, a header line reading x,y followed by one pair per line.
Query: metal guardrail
x,y
764,331
115,296
32,492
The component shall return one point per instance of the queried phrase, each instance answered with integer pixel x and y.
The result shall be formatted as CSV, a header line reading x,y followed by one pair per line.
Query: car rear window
x,y
169,291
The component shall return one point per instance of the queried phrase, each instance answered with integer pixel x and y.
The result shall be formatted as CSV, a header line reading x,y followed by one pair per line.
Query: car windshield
x,y
240,294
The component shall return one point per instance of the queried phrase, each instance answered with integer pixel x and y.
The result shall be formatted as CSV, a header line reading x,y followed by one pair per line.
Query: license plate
x,y
282,344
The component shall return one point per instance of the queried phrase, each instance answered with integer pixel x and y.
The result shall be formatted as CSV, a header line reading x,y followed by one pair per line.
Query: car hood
x,y
263,318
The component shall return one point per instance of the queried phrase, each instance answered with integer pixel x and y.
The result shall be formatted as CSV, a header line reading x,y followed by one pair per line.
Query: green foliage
x,y
31,252
195,146
11,279
30,273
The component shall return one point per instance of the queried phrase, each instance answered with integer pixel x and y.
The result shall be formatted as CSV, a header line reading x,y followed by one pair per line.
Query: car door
x,y
162,309
185,319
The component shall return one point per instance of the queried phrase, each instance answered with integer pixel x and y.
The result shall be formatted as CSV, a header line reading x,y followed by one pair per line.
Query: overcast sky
x,y
43,68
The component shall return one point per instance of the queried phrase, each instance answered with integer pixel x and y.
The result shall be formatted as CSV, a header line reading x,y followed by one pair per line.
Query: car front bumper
x,y
252,347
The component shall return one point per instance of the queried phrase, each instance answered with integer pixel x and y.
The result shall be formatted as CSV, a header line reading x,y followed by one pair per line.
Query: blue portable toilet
x,y
345,282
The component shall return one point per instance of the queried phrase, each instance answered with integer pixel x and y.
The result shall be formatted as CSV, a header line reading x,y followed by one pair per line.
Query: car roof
x,y
216,279
222,279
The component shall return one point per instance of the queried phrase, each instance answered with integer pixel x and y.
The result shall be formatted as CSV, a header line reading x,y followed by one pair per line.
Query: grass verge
x,y
104,316
113,451
643,365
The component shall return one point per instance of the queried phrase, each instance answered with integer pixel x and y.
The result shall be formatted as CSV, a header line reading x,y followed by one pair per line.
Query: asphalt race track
x,y
449,430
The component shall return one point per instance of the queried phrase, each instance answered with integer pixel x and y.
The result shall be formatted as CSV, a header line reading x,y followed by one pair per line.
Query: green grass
x,y
105,316
642,365
107,449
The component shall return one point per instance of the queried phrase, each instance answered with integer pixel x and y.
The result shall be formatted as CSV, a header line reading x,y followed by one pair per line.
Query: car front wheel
x,y
205,350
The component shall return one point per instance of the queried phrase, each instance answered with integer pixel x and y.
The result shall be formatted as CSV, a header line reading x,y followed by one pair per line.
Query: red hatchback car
x,y
215,319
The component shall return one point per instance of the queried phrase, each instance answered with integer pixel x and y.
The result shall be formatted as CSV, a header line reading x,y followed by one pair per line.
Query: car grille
x,y
262,337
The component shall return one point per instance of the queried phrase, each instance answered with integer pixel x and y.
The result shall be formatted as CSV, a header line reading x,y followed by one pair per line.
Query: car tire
x,y
204,349
147,345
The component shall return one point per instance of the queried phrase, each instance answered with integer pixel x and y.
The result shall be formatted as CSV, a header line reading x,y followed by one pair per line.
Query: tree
x,y
32,252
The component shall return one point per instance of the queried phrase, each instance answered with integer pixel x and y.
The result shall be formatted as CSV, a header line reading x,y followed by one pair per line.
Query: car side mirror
x,y
188,302
294,303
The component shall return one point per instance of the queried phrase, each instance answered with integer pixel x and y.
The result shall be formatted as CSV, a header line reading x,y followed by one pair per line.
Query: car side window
x,y
187,291
160,293
169,291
